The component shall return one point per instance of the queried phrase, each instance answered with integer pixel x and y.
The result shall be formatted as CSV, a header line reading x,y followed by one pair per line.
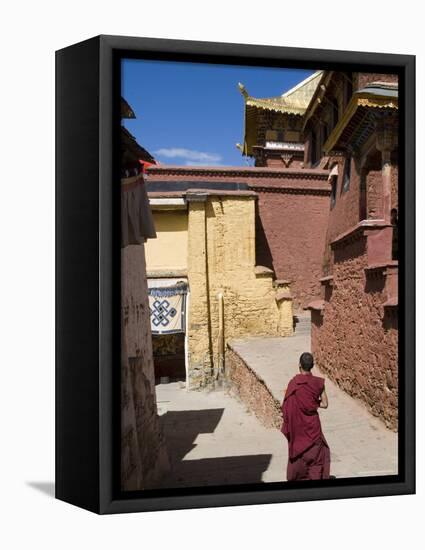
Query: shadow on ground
x,y
181,428
46,487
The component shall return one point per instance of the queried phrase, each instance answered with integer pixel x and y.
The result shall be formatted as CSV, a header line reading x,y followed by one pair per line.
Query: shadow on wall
x,y
328,293
263,255
316,318
181,428
390,319
374,284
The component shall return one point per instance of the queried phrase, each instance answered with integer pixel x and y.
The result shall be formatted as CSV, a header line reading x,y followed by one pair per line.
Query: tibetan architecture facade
x,y
292,210
342,131
240,251
273,125
352,122
143,453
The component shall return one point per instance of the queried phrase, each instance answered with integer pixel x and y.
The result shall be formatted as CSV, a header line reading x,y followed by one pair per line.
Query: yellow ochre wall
x,y
215,240
222,260
168,251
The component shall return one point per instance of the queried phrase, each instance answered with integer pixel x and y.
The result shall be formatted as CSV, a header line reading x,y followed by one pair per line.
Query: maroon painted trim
x,y
236,171
209,192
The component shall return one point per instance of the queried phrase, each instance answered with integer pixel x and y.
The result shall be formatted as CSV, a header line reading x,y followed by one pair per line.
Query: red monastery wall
x,y
290,239
355,333
291,221
355,336
345,213
394,186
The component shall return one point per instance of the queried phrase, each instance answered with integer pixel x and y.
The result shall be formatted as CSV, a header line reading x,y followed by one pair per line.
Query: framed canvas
x,y
235,274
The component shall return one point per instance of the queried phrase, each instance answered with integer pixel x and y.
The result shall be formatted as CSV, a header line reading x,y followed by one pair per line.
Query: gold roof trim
x,y
275,104
295,101
360,99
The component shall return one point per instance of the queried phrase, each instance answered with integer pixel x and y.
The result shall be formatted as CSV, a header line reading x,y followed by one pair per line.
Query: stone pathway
x,y
213,439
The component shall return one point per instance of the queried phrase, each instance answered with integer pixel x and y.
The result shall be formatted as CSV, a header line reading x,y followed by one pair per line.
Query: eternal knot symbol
x,y
162,313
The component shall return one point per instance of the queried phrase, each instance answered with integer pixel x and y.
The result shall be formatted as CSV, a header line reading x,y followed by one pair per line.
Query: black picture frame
x,y
88,273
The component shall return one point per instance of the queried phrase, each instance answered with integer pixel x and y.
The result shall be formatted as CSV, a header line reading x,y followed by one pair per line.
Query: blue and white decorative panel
x,y
168,309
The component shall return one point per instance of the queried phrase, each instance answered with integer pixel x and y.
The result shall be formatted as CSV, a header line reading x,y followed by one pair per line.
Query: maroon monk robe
x,y
309,456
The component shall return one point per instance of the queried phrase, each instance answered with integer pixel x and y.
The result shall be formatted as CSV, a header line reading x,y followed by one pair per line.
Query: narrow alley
x,y
213,438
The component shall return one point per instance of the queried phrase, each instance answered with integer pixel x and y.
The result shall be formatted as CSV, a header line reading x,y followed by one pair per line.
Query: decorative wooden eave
x,y
356,123
318,95
293,102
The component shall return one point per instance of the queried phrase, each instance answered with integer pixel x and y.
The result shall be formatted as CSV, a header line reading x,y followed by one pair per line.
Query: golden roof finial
x,y
242,89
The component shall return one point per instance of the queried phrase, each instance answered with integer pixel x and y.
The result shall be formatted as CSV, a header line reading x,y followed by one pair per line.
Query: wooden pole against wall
x,y
220,367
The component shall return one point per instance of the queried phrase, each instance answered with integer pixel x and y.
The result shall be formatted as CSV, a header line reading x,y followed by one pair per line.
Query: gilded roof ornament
x,y
243,90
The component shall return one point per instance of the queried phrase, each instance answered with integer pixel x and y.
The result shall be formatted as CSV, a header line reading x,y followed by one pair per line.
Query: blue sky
x,y
192,114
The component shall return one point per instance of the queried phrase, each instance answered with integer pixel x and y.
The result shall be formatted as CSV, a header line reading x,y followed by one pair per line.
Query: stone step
x,y
302,329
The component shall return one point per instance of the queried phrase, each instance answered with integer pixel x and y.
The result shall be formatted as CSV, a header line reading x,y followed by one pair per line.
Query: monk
x,y
309,454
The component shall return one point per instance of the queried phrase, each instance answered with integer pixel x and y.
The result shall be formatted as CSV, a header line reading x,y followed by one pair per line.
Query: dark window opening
x,y
363,198
347,175
335,111
325,133
334,181
348,87
313,148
